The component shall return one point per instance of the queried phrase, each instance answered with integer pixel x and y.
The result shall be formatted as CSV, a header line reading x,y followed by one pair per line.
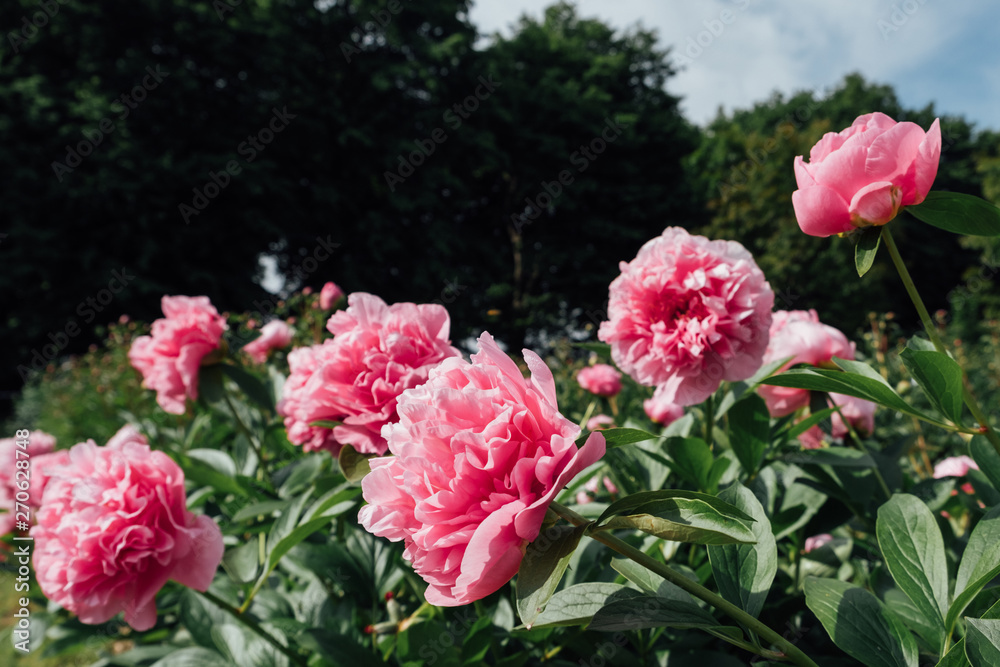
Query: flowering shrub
x,y
764,485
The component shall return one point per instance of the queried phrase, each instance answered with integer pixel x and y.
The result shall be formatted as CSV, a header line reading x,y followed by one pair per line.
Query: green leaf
x,y
939,377
263,508
336,649
691,458
243,561
749,431
744,572
325,423
982,642
860,625
851,384
980,564
958,213
192,656
542,568
650,611
800,427
616,437
986,458
833,456
649,581
955,657
681,516
602,349
254,389
866,249
203,473
577,604
913,548
353,464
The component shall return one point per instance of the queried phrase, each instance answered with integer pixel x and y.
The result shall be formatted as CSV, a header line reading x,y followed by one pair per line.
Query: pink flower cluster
x,y
330,295
863,175
600,379
479,453
114,527
377,352
169,359
688,313
274,335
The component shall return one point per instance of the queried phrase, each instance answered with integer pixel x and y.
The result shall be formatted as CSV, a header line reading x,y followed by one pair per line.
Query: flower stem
x,y
911,289
788,650
709,421
253,625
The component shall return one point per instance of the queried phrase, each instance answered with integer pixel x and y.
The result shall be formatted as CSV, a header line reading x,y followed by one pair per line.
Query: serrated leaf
x,y
860,625
958,213
939,377
544,563
744,572
749,431
866,249
913,548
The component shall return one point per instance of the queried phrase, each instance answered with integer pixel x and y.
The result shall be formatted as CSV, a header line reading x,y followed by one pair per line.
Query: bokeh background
x,y
243,149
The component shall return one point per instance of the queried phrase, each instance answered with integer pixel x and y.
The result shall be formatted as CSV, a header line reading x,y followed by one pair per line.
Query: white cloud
x,y
791,45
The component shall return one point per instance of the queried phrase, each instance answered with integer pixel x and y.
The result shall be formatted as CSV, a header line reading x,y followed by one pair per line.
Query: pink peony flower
x,y
859,413
582,498
600,379
169,359
20,474
816,541
480,452
273,336
863,175
660,410
954,466
377,352
114,527
330,295
598,422
610,486
814,438
688,313
800,335
592,485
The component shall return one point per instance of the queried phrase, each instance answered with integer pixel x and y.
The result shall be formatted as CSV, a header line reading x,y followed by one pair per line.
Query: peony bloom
x,y
273,336
480,452
169,359
860,415
660,410
114,527
954,466
39,444
592,485
800,335
600,379
688,313
598,422
863,175
816,541
377,352
329,295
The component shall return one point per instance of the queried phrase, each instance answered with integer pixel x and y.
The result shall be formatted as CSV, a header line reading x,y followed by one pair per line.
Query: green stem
x,y
925,317
709,421
257,449
253,625
788,649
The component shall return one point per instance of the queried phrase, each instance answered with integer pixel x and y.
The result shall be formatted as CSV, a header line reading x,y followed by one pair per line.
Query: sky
x,y
736,52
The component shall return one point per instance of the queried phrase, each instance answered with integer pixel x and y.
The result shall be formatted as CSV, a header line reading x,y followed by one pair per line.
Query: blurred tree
x,y
744,167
